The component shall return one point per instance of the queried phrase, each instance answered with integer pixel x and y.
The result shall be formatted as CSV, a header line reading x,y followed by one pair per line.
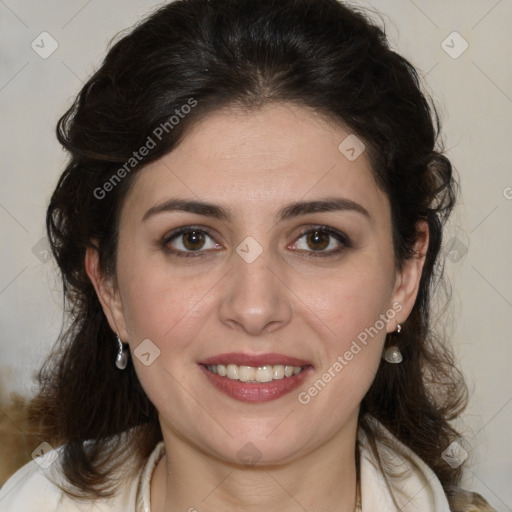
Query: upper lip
x,y
256,360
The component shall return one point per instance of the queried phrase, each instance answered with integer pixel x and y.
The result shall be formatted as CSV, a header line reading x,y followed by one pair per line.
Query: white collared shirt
x,y
32,487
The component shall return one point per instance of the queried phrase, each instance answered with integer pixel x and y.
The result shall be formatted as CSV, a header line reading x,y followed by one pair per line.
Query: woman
x,y
248,231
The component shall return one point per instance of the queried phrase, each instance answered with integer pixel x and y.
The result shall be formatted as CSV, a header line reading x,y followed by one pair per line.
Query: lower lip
x,y
256,392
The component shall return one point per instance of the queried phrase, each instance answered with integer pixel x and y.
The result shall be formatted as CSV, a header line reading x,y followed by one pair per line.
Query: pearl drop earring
x,y
393,354
122,354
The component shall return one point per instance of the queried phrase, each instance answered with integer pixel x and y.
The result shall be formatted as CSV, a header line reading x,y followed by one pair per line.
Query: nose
x,y
256,297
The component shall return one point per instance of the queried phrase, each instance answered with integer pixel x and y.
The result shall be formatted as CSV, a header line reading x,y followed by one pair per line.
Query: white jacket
x,y
31,488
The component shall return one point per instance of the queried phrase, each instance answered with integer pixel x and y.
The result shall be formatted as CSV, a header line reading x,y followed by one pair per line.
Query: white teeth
x,y
278,372
232,371
254,374
247,373
265,373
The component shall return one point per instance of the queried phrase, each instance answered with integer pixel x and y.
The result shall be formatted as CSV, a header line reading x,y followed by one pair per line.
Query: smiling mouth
x,y
255,374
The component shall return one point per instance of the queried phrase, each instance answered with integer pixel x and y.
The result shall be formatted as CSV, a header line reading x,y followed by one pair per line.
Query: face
x,y
288,264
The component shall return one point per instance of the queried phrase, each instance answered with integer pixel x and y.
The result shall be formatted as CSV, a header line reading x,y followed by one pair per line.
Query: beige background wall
x,y
473,90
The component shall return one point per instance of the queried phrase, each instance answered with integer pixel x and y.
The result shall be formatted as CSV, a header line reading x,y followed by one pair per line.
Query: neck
x,y
323,480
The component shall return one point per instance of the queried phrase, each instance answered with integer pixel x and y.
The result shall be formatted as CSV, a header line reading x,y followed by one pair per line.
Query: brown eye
x,y
322,241
190,241
193,240
318,240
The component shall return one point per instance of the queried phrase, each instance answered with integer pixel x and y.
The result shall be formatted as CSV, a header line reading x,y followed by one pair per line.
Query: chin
x,y
268,447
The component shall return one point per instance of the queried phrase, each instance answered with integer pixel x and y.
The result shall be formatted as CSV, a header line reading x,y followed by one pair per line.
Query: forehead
x,y
258,160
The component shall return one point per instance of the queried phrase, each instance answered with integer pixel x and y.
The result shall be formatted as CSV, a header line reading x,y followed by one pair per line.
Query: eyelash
x,y
340,237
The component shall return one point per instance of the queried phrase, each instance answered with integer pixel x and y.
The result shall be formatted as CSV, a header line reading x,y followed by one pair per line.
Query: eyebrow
x,y
333,204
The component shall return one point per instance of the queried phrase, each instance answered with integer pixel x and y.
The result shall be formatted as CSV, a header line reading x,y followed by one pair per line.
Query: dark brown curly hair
x,y
245,53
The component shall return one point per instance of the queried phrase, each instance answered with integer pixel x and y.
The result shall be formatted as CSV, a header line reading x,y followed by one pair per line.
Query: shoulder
x,y
33,487
37,487
399,475
391,473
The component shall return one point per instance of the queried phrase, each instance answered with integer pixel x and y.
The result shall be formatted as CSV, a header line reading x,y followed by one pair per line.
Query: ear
x,y
107,292
407,281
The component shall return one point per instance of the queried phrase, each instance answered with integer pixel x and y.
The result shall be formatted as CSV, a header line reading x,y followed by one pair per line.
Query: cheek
x,y
164,306
351,301
352,315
